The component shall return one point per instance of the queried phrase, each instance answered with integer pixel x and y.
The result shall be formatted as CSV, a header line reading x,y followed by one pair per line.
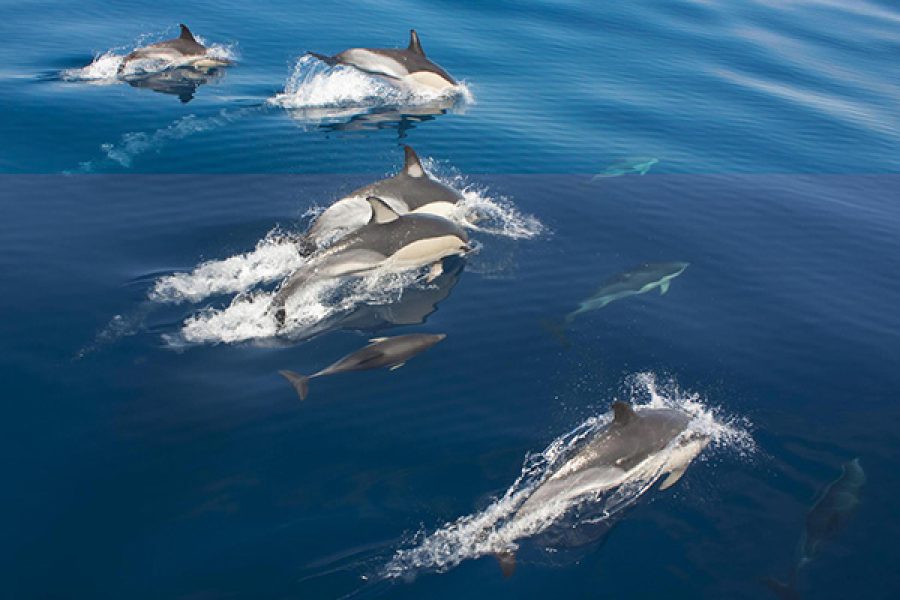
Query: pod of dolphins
x,y
406,223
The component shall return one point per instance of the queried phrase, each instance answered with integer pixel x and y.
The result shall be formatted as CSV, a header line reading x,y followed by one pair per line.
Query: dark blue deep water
x,y
150,448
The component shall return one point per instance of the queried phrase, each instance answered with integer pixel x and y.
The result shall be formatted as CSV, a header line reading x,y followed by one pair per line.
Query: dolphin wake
x,y
497,530
250,277
320,94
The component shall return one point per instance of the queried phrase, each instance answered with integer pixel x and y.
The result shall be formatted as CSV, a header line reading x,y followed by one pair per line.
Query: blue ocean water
x,y
154,452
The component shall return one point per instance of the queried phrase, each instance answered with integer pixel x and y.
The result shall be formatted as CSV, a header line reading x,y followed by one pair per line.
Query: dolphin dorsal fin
x,y
186,33
622,413
381,212
412,166
414,44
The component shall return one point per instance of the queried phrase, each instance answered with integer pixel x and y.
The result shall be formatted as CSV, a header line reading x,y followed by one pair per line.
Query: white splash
x,y
497,529
334,92
275,257
104,69
248,275
248,317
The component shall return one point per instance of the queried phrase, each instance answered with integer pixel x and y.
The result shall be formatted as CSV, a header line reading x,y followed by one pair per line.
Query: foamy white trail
x,y
319,93
104,69
496,529
248,316
276,257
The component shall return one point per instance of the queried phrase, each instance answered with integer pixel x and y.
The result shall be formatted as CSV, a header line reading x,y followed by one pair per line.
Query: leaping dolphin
x,y
411,190
391,352
408,66
642,444
398,242
183,51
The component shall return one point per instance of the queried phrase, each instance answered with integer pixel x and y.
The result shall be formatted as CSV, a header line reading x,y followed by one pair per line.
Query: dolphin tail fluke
x,y
507,562
328,60
300,382
785,591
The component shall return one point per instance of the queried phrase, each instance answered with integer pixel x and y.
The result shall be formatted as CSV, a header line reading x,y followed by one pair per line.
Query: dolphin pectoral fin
x,y
663,287
300,382
328,60
436,270
507,562
397,366
672,479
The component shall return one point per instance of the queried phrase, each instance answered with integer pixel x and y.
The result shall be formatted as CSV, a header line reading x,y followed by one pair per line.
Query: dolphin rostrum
x,y
392,352
830,513
396,242
408,66
410,190
639,444
182,51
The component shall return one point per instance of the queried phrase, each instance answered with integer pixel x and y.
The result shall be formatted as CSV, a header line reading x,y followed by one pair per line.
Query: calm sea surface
x,y
153,451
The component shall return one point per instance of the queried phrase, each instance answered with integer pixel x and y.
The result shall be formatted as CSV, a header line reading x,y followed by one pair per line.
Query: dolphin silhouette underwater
x,y
408,66
640,280
391,352
639,444
389,240
183,51
828,516
412,190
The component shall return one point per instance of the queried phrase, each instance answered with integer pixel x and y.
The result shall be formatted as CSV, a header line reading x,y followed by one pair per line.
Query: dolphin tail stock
x,y
328,60
507,561
299,382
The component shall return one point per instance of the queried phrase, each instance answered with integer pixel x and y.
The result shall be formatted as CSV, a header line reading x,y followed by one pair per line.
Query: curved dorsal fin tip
x,y
412,166
414,44
622,412
186,33
381,211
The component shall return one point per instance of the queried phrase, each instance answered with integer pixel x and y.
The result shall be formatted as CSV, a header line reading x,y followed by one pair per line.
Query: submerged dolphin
x,y
392,352
640,280
641,444
411,190
181,51
408,66
640,165
397,242
830,513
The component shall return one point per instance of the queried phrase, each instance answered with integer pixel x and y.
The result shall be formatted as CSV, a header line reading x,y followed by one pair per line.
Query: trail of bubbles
x,y
276,256
498,529
134,144
248,317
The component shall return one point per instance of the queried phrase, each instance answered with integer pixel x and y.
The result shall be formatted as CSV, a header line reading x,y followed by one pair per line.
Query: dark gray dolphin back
x,y
411,185
633,436
185,42
387,232
412,57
